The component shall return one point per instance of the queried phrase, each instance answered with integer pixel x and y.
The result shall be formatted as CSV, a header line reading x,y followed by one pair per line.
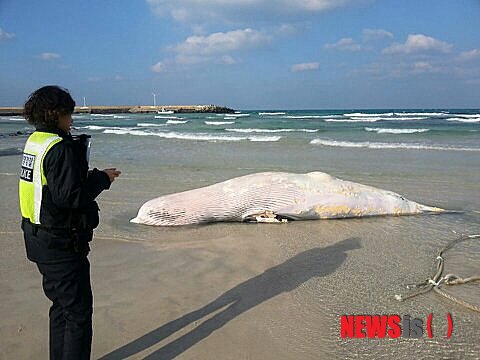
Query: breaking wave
x,y
271,113
97,127
368,114
149,124
311,116
177,121
422,113
395,131
353,120
465,120
466,115
375,118
270,130
193,136
167,117
235,116
380,145
219,122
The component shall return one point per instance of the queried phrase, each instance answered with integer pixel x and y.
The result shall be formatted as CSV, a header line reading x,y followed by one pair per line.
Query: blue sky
x,y
246,54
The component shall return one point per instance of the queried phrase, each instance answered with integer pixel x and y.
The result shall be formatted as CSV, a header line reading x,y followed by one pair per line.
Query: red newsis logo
x,y
393,326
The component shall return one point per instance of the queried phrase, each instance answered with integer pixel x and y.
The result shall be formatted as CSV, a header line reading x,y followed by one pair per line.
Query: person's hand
x,y
112,173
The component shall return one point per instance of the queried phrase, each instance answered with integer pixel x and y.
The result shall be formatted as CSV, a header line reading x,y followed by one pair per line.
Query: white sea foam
x,y
96,127
264,138
16,119
167,117
465,120
119,117
407,118
270,130
390,118
422,113
396,131
219,122
150,125
380,145
102,115
176,121
271,113
92,127
233,116
126,131
354,120
192,136
238,114
368,115
466,115
311,116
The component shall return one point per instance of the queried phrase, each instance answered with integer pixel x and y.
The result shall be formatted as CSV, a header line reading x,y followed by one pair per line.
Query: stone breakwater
x,y
11,111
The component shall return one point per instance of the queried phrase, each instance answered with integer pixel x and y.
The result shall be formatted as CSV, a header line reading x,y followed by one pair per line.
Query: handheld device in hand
x,y
84,141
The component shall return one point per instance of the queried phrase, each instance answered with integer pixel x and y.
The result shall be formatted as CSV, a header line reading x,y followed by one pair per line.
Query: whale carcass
x,y
276,197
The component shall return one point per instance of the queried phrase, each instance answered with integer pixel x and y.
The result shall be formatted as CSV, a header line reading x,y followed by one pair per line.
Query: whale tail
x,y
431,209
437,210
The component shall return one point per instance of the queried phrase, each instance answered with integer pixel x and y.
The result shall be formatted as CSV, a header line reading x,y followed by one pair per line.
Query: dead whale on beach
x,y
276,197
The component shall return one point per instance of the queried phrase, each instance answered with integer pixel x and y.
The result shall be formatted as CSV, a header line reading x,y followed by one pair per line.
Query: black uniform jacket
x,y
68,212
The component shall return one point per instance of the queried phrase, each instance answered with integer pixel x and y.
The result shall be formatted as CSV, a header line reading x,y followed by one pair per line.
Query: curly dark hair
x,y
45,105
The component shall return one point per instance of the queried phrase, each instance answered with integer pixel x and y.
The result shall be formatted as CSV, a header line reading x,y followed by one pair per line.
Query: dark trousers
x,y
67,285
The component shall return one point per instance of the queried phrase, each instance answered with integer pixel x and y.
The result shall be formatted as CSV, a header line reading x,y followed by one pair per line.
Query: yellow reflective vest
x,y
32,176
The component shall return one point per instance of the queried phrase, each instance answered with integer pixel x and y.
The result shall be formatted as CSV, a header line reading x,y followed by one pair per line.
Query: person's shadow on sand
x,y
274,281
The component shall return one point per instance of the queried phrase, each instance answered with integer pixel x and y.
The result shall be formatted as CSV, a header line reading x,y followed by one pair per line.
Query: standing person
x,y
57,201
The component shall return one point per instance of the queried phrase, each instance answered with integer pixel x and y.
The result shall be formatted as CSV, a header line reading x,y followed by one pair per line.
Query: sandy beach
x,y
253,291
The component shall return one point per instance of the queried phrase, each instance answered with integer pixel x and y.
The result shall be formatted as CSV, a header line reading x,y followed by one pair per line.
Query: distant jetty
x,y
12,111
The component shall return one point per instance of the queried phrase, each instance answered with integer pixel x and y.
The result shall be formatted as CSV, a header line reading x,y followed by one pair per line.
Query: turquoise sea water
x,y
402,129
426,130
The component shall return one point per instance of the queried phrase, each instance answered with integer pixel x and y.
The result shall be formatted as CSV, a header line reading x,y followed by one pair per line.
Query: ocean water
x,y
437,130
429,156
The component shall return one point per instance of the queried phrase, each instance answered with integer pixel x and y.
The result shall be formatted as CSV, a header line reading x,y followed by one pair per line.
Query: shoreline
x,y
137,109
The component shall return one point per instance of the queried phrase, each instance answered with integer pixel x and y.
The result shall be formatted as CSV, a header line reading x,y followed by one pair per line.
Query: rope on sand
x,y
437,280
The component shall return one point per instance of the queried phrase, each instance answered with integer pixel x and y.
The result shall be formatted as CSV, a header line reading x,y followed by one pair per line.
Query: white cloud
x,y
422,66
159,67
190,59
237,10
316,5
221,42
286,29
94,79
376,34
48,56
215,48
418,43
345,44
227,60
5,35
469,55
305,67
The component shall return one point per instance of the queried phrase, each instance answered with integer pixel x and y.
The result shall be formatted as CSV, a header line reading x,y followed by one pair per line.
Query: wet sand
x,y
253,291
